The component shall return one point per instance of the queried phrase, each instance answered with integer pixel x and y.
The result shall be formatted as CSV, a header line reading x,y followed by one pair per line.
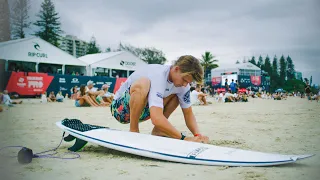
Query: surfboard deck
x,y
167,148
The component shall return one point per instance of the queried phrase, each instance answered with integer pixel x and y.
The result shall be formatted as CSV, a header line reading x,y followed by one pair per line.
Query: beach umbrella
x,y
280,90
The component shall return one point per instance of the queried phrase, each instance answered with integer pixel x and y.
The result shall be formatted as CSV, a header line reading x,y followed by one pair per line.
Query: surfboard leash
x,y
25,155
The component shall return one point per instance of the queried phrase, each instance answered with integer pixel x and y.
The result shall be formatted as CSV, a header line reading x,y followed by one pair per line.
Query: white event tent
x,y
38,51
120,60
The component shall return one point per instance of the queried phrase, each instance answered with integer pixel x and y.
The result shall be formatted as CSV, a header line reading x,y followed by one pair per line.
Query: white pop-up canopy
x,y
36,50
120,60
235,68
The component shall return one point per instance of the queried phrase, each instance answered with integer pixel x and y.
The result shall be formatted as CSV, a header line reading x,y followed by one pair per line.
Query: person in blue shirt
x,y
232,86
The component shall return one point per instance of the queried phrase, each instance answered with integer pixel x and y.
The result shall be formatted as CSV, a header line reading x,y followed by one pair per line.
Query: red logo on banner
x,y
119,82
32,84
221,90
215,81
256,80
242,90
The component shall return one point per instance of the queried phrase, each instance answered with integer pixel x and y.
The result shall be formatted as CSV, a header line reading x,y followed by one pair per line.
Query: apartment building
x,y
73,46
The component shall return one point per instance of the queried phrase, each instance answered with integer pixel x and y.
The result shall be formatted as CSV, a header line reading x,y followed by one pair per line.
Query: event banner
x,y
64,83
32,84
28,83
216,81
255,82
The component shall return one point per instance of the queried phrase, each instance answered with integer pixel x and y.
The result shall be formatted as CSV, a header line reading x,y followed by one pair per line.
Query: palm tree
x,y
208,62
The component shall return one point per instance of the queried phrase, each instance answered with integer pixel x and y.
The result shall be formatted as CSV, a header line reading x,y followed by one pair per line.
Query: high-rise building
x,y
298,75
73,46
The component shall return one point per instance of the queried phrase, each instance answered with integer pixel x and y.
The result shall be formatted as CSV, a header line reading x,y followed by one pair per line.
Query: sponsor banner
x,y
255,80
216,81
244,81
65,83
119,82
28,83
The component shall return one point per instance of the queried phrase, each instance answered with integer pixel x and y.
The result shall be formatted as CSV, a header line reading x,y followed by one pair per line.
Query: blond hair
x,y
190,65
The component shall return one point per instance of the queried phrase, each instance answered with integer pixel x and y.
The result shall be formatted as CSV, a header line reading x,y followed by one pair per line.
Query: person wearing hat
x,y
107,96
92,92
154,92
101,96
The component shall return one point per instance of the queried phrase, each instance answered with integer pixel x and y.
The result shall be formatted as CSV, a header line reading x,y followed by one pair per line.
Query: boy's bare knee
x,y
142,86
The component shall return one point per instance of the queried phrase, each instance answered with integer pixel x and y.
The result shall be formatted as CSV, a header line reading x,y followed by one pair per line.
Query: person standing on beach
x,y
308,91
237,86
226,85
155,91
232,86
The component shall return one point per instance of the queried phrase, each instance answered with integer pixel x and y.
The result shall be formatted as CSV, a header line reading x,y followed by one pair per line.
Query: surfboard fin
x,y
78,145
69,138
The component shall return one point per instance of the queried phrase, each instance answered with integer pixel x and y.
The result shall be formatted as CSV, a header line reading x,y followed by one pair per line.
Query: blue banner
x,y
64,83
245,82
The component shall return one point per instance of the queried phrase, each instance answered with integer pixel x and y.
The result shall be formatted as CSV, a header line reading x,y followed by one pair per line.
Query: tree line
x,y
282,73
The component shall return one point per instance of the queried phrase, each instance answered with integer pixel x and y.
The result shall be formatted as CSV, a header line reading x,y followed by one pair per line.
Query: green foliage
x,y
149,55
290,68
253,60
283,71
152,56
274,74
260,63
19,18
267,66
93,48
108,49
294,85
49,24
208,61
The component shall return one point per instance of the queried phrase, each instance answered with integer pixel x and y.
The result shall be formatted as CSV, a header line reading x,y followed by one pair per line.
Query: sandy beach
x,y
289,126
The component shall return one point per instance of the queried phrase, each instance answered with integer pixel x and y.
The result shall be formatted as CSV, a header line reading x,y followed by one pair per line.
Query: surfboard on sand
x,y
167,148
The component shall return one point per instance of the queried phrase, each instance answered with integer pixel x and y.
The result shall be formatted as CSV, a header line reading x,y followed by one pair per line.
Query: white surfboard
x,y
172,149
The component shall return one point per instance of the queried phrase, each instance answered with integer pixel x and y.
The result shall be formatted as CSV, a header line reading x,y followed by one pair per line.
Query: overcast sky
x,y
231,30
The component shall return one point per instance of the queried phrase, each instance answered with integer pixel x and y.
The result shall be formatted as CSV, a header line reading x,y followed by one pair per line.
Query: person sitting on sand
x,y
83,100
7,100
244,97
197,97
236,97
155,91
74,92
107,96
228,97
221,94
92,92
52,97
59,97
102,92
277,96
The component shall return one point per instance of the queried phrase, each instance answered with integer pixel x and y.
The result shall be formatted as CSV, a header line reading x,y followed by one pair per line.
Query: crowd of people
x,y
83,96
89,96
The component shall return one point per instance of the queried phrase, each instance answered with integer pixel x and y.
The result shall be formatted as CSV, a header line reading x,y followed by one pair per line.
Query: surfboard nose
x,y
295,158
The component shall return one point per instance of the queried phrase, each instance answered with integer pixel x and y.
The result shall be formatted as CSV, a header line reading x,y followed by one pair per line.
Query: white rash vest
x,y
160,86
